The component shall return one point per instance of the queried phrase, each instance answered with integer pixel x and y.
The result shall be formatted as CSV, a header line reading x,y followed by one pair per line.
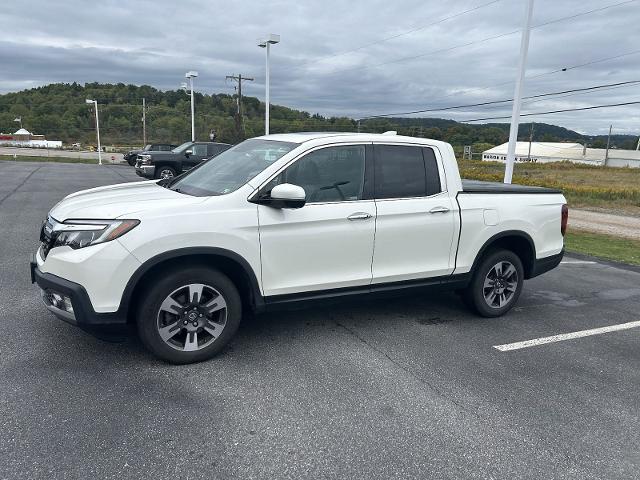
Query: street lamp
x,y
191,74
95,104
271,39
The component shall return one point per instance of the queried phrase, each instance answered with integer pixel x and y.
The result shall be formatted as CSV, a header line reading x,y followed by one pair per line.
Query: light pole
x,y
517,96
271,39
95,104
191,74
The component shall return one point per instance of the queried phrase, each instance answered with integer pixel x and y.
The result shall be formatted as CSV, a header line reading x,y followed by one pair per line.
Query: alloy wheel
x,y
166,173
192,317
500,284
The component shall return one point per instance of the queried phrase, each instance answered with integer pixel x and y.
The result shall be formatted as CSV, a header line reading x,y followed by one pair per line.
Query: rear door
x,y
415,217
328,243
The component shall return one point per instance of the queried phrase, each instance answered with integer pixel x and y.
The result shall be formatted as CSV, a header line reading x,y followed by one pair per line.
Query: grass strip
x,y
603,246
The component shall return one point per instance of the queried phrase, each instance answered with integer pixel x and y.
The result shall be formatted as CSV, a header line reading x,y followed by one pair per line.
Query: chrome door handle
x,y
359,216
439,210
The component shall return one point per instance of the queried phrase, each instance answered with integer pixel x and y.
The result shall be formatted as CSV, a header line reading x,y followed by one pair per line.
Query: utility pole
x,y
517,96
239,120
606,153
144,122
530,140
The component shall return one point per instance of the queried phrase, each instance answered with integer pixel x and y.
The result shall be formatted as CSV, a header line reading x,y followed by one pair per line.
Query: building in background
x,y
24,138
546,152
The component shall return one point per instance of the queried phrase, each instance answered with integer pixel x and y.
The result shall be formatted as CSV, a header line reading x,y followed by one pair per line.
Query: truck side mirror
x,y
188,153
287,195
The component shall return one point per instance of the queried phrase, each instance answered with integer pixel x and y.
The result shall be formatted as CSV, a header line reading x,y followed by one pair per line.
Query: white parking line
x,y
577,262
566,336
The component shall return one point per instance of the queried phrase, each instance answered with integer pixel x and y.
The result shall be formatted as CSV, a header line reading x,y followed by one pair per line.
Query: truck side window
x,y
333,174
433,176
399,172
199,150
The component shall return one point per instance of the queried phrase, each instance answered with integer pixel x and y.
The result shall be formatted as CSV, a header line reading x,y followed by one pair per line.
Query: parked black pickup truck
x,y
132,156
178,160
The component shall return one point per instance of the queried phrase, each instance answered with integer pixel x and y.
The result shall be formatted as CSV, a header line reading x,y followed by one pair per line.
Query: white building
x,y
545,152
24,138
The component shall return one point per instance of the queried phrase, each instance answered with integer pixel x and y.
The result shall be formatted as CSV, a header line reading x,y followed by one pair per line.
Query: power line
x,y
564,69
455,107
593,107
392,37
482,40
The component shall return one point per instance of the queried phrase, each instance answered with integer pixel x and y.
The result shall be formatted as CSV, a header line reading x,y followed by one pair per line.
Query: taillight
x,y
565,219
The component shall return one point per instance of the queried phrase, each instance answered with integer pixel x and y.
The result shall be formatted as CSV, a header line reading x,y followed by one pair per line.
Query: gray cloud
x,y
155,42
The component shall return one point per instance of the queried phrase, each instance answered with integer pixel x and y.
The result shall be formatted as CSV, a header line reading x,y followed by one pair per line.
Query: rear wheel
x,y
496,284
165,172
189,315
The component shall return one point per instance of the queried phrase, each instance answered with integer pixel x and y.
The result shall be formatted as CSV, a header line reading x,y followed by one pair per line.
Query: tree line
x,y
59,112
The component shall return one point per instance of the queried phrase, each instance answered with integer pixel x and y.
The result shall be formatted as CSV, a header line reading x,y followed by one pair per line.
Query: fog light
x,y
67,304
59,301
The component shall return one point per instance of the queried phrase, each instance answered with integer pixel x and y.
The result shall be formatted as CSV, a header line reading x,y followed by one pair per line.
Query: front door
x,y
199,153
328,243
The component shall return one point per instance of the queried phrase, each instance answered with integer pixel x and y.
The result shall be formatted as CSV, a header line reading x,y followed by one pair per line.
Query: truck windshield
x,y
182,147
231,169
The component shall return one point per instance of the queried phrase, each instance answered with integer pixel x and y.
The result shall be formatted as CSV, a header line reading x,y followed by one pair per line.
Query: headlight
x,y
146,159
82,233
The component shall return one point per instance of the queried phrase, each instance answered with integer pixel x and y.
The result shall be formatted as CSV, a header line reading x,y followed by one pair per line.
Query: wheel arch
x,y
228,262
518,242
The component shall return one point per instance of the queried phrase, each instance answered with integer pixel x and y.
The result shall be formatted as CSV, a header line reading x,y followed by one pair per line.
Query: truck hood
x,y
119,200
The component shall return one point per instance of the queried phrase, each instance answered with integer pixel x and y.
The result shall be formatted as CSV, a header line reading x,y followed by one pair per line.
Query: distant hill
x,y
59,112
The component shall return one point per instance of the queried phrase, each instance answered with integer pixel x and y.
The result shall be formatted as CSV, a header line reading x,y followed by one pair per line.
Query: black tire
x,y
150,318
132,162
161,171
478,297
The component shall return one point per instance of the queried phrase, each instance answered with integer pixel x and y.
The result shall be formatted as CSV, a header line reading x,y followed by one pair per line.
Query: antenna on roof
x,y
390,132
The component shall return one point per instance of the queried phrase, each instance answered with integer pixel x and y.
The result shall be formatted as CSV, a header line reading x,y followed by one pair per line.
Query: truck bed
x,y
477,186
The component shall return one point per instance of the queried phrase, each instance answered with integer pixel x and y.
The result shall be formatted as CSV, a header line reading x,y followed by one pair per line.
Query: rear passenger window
x,y
404,172
399,172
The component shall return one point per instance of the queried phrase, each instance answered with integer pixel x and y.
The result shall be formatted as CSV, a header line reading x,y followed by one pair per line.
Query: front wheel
x,y
189,315
165,172
496,284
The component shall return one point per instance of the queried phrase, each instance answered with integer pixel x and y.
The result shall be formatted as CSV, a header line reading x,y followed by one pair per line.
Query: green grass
x,y
25,158
601,188
603,246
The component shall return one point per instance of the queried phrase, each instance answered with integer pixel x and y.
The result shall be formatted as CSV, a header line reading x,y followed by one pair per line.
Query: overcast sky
x,y
319,65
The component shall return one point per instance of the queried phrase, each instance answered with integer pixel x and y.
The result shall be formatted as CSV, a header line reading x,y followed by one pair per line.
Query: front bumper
x,y
146,171
81,312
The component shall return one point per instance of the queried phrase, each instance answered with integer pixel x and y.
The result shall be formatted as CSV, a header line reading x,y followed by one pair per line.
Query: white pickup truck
x,y
283,219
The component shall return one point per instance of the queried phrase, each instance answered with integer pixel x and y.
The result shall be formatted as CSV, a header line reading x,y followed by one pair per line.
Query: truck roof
x,y
332,137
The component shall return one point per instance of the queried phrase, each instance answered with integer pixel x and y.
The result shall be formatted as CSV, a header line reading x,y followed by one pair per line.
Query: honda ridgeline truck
x,y
285,219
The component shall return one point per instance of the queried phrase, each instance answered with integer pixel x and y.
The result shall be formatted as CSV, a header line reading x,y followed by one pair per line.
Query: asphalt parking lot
x,y
401,388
